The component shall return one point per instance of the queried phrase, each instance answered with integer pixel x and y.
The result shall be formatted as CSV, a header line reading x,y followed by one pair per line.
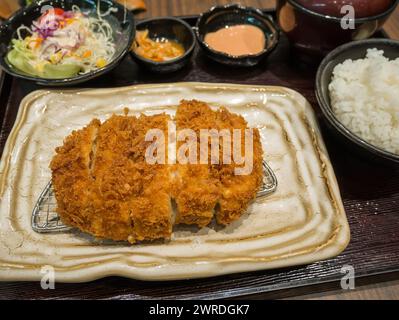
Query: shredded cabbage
x,y
63,43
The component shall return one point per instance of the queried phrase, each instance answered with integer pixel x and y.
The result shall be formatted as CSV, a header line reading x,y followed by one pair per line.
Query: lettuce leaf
x,y
19,57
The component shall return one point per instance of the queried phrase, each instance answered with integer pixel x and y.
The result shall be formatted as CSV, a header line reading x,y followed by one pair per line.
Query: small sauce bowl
x,y
230,15
172,29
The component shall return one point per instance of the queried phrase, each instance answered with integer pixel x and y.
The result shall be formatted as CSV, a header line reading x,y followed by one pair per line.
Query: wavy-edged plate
x,y
302,222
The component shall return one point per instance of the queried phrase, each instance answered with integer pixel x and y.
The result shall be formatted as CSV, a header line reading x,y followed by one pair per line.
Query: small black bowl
x,y
172,29
122,22
315,34
354,50
229,15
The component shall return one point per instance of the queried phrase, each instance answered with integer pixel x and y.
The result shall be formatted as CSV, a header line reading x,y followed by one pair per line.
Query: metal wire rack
x,y
45,218
269,182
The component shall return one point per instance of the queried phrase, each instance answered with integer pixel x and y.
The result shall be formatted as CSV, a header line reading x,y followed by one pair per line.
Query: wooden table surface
x,y
385,288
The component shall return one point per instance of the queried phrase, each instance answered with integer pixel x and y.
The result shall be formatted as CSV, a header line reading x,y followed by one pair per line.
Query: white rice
x,y
365,98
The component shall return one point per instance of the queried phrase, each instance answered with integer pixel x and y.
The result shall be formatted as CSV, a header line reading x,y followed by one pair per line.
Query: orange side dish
x,y
159,50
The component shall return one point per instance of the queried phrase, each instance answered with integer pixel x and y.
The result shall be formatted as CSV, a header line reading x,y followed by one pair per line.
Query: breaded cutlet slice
x,y
136,192
104,186
115,179
196,191
237,191
151,208
71,177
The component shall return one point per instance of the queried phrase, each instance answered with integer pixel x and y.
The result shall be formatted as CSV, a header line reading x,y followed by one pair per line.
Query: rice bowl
x,y
364,97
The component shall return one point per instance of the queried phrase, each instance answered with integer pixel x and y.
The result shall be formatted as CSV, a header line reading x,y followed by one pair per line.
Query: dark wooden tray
x,y
370,193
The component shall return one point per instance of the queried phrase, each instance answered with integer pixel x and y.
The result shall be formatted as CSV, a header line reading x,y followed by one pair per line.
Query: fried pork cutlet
x,y
151,210
196,189
200,188
72,178
238,190
105,186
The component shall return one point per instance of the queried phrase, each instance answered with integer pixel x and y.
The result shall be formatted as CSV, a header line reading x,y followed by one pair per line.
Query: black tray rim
x,y
6,79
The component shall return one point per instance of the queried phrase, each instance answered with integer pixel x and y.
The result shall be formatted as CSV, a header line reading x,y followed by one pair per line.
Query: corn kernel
x,y
55,58
101,62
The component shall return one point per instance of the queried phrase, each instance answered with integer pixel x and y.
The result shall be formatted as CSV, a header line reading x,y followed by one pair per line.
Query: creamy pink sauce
x,y
239,40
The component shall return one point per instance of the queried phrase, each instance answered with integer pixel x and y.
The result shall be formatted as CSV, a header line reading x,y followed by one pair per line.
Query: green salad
x,y
62,44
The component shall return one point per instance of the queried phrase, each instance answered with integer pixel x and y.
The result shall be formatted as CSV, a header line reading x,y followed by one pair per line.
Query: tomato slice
x,y
55,12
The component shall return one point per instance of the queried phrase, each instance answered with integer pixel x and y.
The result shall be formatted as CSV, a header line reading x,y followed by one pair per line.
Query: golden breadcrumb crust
x,y
196,190
202,188
104,185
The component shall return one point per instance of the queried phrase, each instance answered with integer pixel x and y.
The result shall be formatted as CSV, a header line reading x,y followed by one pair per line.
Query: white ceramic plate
x,y
303,222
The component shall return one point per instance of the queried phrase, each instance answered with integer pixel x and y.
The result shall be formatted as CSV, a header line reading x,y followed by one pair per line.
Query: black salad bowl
x,y
120,19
